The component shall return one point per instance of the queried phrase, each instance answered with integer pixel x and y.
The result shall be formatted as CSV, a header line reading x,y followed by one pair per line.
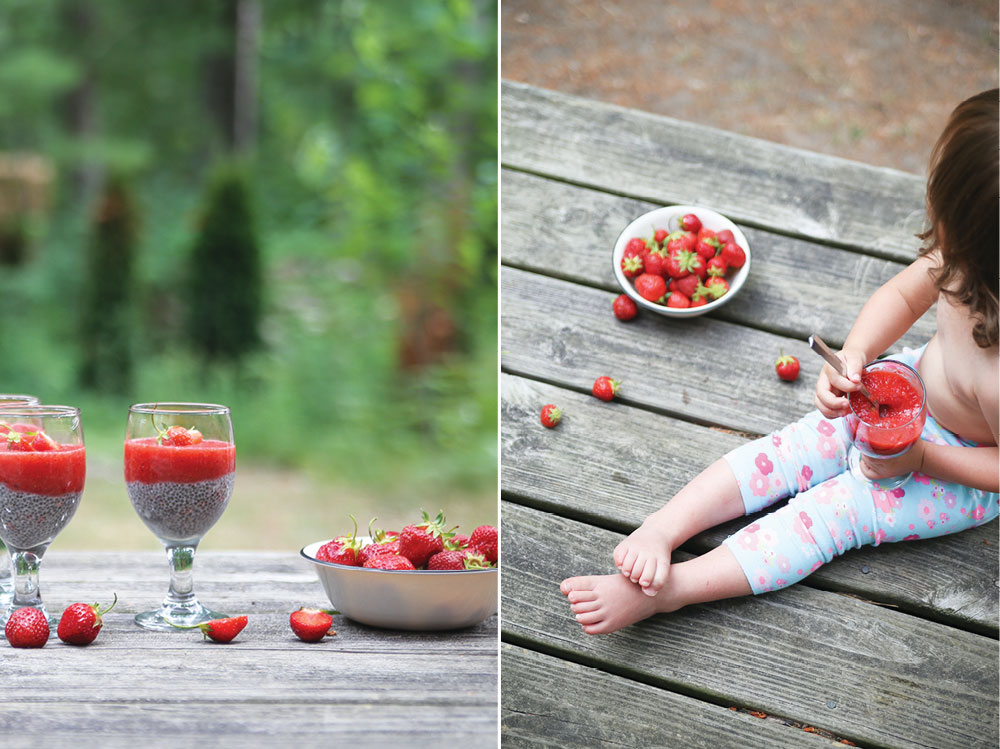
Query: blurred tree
x,y
224,284
106,332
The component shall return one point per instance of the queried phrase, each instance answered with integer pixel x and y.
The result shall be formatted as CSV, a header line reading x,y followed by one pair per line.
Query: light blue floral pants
x,y
830,510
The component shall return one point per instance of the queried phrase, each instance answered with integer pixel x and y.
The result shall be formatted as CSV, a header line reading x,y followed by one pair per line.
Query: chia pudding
x,y
179,492
39,494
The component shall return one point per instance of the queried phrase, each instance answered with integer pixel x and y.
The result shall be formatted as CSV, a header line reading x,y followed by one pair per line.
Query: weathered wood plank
x,y
266,686
862,672
613,467
795,287
752,181
130,724
550,702
705,370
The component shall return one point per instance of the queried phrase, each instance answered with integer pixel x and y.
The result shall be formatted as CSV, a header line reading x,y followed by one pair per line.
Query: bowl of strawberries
x,y
424,577
681,260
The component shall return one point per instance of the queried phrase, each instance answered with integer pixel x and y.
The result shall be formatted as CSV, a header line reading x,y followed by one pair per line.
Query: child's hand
x,y
832,389
883,468
644,558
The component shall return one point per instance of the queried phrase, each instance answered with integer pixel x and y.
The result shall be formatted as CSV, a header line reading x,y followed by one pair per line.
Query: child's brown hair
x,y
962,206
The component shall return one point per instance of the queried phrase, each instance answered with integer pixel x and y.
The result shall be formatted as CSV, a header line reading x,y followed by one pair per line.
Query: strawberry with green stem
x,y
605,388
551,415
80,623
219,630
419,541
177,436
343,549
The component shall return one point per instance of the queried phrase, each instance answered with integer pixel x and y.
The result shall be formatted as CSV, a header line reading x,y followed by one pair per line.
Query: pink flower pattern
x,y
783,543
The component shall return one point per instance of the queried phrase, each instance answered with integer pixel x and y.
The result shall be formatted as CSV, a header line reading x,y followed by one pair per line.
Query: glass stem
x,y
181,559
26,591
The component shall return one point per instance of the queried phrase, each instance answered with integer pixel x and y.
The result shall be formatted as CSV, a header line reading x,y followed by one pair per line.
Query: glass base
x,y
884,485
167,618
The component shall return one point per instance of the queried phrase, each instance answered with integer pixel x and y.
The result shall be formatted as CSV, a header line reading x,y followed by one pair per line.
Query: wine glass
x,y
43,466
180,463
6,573
897,386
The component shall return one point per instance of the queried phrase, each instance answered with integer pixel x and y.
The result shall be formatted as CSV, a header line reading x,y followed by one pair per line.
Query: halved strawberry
x,y
311,625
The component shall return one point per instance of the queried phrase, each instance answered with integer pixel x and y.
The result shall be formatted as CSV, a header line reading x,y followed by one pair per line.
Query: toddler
x,y
954,464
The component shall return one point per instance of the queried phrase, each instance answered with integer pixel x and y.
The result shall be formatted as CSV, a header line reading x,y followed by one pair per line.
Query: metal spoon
x,y
816,344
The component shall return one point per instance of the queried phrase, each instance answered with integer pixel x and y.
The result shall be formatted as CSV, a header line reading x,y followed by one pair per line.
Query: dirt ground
x,y
872,81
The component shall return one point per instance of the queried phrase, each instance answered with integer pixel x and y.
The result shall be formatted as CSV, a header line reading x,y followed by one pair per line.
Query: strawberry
x,y
343,549
659,236
457,542
468,559
637,246
708,248
624,308
681,240
686,286
690,222
716,266
382,542
181,437
486,539
604,388
311,625
551,415
81,622
704,234
678,300
698,300
653,263
418,542
30,439
632,265
734,255
389,562
725,236
683,263
219,630
716,287
27,628
787,367
650,287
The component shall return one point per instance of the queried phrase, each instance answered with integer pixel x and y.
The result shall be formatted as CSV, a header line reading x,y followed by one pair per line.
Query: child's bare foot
x,y
644,558
606,603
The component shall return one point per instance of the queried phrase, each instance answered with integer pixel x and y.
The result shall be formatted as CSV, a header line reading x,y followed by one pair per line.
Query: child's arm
x,y
970,466
885,317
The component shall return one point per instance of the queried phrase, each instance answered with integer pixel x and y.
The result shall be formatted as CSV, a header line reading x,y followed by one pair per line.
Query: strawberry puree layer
x,y
901,426
52,472
149,463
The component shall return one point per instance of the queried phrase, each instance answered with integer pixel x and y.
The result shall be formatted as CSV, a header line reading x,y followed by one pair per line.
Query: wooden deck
x,y
888,647
132,687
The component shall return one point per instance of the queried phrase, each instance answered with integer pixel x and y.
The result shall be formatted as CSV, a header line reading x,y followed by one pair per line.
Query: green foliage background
x,y
374,170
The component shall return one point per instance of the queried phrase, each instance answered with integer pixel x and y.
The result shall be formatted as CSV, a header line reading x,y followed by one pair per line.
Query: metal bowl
x,y
668,218
403,599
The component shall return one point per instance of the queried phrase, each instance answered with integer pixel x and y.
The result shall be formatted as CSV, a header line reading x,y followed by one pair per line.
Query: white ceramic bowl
x,y
669,218
403,599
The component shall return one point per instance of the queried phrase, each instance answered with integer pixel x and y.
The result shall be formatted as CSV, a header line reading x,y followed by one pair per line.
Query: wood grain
x,y
636,460
380,687
795,287
576,706
703,370
662,160
862,672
